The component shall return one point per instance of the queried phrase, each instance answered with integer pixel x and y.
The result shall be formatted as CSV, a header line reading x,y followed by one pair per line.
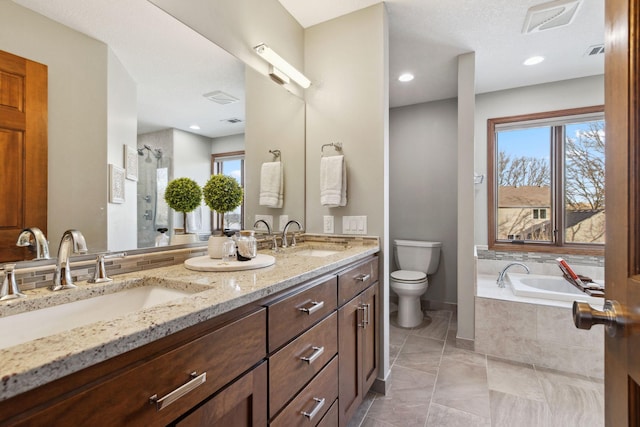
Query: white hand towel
x,y
272,185
333,181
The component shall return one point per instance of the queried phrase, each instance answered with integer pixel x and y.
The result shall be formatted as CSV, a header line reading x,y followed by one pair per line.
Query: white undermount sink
x,y
316,252
23,327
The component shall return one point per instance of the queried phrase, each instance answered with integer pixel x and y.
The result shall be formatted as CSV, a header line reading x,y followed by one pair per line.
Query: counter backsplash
x,y
31,274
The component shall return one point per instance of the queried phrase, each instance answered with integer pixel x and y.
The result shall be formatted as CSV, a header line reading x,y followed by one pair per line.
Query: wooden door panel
x,y
23,150
350,366
11,149
371,341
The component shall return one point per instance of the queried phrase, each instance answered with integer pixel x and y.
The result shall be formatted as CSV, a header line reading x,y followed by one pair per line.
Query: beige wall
x,y
347,61
78,67
275,121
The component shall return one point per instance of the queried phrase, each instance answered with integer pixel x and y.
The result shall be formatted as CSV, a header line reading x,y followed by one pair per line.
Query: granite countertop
x,y
34,363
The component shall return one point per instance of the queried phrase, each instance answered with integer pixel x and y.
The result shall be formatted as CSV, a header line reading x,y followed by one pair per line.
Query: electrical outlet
x,y
328,224
284,219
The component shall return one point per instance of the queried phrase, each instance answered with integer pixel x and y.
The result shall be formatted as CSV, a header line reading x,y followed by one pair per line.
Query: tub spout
x,y
500,280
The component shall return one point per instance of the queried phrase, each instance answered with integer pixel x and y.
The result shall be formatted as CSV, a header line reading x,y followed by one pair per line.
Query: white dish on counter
x,y
205,263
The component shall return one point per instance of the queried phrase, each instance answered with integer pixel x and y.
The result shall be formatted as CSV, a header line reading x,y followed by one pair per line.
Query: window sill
x,y
533,247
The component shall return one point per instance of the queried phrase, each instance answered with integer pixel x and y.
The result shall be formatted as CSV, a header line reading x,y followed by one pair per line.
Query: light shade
x,y
279,63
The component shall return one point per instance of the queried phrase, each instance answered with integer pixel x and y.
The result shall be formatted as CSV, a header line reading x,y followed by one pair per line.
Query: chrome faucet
x,y
72,242
273,236
284,233
500,280
9,289
39,241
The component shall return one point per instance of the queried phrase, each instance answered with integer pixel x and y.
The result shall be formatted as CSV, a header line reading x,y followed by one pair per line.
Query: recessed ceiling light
x,y
406,77
194,127
534,60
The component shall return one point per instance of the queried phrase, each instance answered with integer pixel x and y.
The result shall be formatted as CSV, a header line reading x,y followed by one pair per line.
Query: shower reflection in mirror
x,y
153,176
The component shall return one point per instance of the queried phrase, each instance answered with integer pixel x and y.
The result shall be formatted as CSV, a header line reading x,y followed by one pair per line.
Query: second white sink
x,y
30,325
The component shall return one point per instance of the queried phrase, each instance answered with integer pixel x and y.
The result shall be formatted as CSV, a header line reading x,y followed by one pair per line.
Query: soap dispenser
x,y
162,239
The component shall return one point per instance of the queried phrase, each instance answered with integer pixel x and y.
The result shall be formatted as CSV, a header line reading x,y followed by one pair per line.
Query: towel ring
x,y
336,145
276,154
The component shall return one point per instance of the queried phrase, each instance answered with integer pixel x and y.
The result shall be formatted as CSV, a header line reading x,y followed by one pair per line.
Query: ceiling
x,y
425,38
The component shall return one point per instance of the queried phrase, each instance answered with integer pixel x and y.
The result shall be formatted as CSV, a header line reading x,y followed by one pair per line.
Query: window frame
x,y
217,220
557,178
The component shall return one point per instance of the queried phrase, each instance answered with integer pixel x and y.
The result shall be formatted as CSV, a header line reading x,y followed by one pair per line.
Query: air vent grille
x,y
554,14
597,49
220,97
232,120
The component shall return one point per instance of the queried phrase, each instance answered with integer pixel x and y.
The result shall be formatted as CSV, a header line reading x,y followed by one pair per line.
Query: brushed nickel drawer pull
x,y
176,394
363,277
317,352
367,310
362,308
316,408
315,306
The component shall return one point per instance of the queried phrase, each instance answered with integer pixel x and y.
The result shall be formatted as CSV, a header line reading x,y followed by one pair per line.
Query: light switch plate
x,y
354,224
328,224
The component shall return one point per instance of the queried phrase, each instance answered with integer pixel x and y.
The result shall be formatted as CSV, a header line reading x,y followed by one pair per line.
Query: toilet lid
x,y
408,275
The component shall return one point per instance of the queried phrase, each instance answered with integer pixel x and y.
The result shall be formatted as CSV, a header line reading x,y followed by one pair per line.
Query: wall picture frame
x,y
116,184
131,163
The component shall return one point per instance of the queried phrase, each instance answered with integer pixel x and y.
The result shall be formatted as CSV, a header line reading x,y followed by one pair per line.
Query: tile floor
x,y
434,383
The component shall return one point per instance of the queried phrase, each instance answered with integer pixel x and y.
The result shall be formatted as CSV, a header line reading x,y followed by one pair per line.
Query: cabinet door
x,y
371,339
242,404
350,340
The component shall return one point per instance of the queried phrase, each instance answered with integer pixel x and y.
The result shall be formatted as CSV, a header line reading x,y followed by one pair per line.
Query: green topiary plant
x,y
183,195
222,193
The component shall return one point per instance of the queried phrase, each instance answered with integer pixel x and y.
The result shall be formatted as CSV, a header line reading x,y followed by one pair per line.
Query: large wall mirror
x,y
126,76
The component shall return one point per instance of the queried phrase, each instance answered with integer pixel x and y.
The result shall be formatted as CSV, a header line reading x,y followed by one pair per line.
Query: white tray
x,y
204,263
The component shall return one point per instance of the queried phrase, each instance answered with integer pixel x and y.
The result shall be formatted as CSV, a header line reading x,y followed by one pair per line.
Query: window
x,y
230,164
546,181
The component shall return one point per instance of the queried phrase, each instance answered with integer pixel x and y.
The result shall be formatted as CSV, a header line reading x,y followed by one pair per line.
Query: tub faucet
x,y
284,233
273,236
39,242
500,280
72,242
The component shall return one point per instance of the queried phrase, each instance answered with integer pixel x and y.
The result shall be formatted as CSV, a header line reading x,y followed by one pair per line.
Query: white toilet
x,y
416,260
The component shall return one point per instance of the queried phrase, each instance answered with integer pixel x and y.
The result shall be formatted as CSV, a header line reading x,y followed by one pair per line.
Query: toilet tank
x,y
417,255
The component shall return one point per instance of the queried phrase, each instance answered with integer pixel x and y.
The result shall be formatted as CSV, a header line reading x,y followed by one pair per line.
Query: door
x,y
350,323
371,333
622,253
23,152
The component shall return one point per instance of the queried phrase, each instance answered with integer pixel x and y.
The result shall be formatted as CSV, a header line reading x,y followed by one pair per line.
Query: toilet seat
x,y
408,276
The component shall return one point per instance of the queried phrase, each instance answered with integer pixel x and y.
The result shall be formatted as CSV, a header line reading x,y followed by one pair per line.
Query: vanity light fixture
x,y
534,60
281,70
406,77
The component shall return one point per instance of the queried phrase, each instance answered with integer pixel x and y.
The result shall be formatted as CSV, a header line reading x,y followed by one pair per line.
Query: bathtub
x,y
548,287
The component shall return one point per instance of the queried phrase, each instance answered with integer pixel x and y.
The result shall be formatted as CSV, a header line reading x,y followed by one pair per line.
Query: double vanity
x,y
295,343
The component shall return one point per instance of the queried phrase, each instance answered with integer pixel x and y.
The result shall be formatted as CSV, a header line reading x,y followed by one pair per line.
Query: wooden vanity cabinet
x,y
158,390
358,338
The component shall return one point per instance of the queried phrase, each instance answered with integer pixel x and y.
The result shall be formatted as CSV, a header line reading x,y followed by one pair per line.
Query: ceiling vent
x,y
232,120
594,50
549,15
220,97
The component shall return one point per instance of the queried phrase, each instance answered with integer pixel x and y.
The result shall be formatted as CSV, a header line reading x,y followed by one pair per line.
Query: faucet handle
x,y
9,289
100,275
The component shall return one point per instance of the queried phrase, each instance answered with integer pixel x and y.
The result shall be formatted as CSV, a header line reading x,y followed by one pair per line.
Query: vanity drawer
x,y
315,400
356,279
294,314
125,399
288,372
330,419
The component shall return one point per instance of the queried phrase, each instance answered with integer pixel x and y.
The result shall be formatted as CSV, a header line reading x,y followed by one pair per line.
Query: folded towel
x,y
272,185
333,181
